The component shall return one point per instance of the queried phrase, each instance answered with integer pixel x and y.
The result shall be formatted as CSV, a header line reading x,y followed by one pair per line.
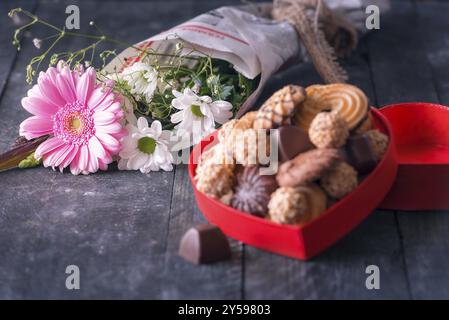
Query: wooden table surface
x,y
123,228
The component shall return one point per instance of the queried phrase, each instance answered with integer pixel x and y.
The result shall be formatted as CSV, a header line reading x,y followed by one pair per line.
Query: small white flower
x,y
37,43
198,114
142,79
146,148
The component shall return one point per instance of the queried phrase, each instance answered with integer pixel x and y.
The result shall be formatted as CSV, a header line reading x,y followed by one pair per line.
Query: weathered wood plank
x,y
338,273
8,53
183,280
112,225
425,233
398,62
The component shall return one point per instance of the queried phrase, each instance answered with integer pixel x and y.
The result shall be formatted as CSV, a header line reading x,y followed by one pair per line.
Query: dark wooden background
x,y
123,228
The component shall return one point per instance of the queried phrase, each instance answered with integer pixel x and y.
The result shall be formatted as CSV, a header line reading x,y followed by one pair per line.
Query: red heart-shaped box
x,y
421,133
307,240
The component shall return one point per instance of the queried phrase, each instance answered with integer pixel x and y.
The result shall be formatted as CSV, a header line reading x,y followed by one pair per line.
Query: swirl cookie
x,y
253,190
279,108
349,101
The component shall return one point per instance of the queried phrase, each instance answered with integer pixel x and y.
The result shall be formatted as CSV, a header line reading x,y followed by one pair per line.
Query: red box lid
x,y
421,132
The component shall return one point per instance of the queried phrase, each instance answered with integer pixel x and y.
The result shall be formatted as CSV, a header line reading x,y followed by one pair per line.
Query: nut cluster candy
x,y
379,142
288,206
214,180
327,144
340,180
328,130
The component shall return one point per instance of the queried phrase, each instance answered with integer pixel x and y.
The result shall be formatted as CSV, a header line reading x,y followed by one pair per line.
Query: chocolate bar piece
x,y
204,243
361,154
292,141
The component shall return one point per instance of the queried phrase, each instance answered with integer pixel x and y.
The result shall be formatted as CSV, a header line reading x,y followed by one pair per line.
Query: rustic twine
x,y
325,34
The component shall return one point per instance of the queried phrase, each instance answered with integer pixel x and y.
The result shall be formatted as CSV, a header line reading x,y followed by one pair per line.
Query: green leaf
x,y
30,162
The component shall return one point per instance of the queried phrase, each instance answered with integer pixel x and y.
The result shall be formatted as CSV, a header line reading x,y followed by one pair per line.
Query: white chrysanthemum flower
x,y
142,79
197,114
146,148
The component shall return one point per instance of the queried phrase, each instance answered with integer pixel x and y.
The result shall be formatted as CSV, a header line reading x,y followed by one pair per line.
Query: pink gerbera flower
x,y
81,117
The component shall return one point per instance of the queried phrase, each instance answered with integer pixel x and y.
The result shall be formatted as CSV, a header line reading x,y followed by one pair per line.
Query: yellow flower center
x,y
146,145
196,110
76,123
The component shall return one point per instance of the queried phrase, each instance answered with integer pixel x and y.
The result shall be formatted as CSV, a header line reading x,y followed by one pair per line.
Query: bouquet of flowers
x,y
164,94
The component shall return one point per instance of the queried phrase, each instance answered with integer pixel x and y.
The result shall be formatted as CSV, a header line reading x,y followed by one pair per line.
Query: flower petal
x,y
36,126
47,146
65,89
114,127
109,142
177,117
85,85
96,148
65,150
69,158
74,165
97,96
138,161
84,158
68,75
156,126
103,165
38,106
49,89
92,165
104,117
51,157
142,123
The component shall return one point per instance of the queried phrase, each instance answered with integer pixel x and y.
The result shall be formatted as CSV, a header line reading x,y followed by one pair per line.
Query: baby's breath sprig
x,y
71,58
183,67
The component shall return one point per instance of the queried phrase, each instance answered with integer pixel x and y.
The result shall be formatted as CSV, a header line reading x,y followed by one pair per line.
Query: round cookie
x,y
306,167
349,101
328,130
340,180
252,191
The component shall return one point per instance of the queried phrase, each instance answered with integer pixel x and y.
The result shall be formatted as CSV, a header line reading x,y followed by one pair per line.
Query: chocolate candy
x,y
204,243
360,153
307,167
292,141
253,190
